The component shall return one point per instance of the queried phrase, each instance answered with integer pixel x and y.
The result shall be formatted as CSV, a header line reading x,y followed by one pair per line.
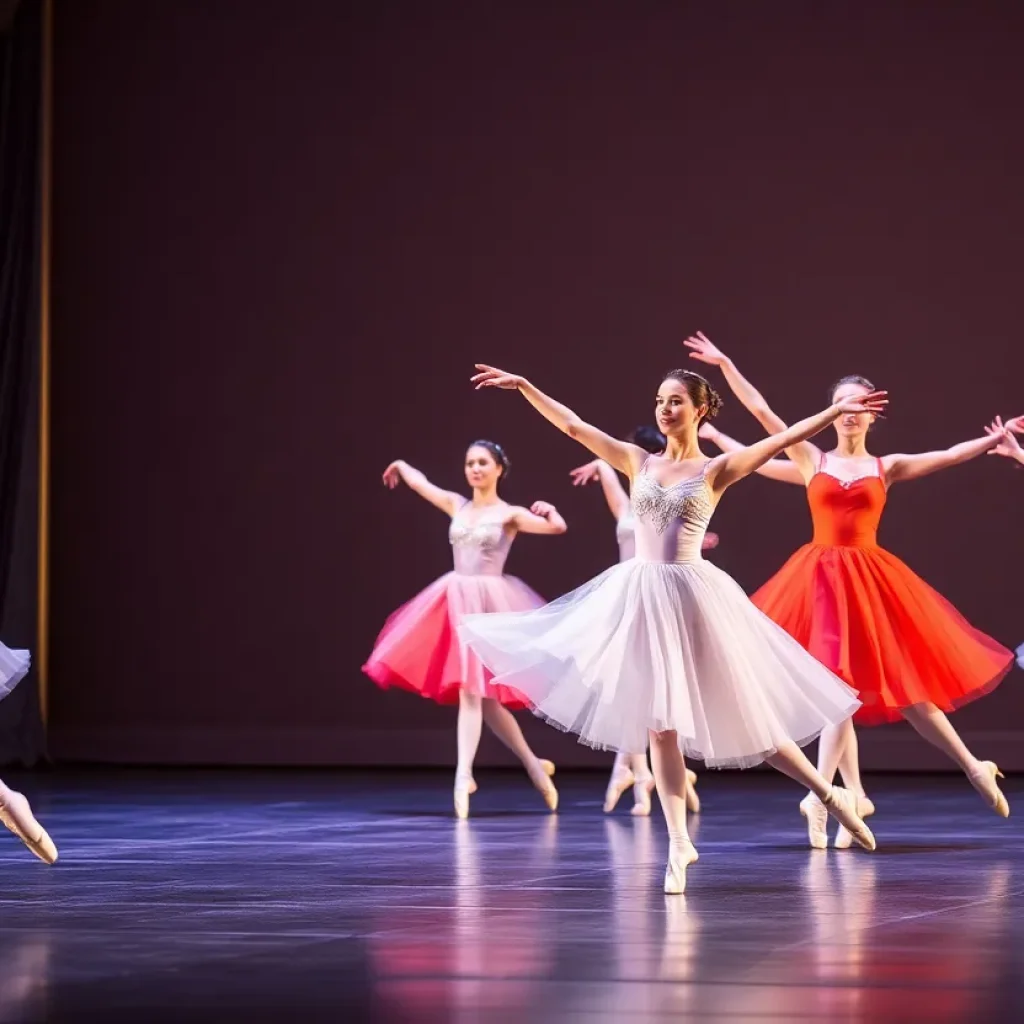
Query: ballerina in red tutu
x,y
632,769
860,610
419,649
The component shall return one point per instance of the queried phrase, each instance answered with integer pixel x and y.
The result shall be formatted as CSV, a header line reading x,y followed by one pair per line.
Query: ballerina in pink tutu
x,y
632,769
15,812
419,648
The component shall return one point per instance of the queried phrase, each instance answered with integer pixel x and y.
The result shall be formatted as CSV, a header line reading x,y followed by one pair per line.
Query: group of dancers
x,y
664,651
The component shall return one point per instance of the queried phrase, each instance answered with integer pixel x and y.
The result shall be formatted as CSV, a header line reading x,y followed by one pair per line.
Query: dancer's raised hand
x,y
393,474
585,474
703,350
1008,445
874,402
492,377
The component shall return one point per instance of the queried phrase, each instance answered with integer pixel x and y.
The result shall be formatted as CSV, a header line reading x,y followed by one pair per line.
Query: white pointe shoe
x,y
547,788
865,808
642,790
817,821
692,800
465,787
675,872
17,815
617,785
983,779
840,804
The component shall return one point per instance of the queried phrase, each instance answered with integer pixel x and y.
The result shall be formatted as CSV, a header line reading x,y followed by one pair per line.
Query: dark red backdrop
x,y
284,234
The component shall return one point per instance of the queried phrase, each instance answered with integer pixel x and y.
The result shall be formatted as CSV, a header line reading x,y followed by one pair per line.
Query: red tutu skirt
x,y
865,615
419,649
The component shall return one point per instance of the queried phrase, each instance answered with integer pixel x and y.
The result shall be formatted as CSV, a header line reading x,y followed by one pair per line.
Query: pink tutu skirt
x,y
419,648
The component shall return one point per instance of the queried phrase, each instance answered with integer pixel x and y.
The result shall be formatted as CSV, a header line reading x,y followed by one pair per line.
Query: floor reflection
x,y
24,977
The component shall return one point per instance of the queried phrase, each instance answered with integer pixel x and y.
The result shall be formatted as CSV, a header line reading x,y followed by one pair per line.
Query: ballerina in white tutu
x,y
15,812
631,769
667,647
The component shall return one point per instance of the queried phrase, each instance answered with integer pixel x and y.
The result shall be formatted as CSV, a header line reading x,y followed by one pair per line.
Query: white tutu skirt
x,y
663,646
14,666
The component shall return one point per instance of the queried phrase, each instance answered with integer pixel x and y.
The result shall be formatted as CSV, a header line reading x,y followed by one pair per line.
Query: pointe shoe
x,y
545,786
817,821
617,785
675,872
865,808
642,790
464,789
839,803
550,794
984,781
16,814
692,800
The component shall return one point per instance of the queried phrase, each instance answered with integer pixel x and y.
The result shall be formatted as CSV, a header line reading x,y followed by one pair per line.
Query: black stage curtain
x,y
21,733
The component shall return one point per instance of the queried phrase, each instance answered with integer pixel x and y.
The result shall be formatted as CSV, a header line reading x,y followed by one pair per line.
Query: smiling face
x,y
675,410
852,425
482,469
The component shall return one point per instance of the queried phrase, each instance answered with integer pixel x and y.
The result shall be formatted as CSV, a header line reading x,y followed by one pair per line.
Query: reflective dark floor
x,y
343,897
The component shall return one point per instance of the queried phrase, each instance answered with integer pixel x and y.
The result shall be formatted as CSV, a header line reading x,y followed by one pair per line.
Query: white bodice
x,y
670,522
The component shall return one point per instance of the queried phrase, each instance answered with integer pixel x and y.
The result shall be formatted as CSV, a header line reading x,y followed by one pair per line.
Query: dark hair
x,y
649,438
699,389
497,453
852,378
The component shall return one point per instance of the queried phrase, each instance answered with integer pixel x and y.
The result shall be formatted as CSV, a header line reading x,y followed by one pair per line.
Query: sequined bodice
x,y
846,513
625,534
481,546
671,521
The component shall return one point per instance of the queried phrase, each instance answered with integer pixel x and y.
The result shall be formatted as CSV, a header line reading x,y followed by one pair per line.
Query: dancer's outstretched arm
x,y
614,493
783,470
909,467
732,466
401,472
805,455
625,457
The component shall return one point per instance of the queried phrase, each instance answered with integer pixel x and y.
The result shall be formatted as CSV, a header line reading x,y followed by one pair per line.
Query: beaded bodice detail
x,y
671,521
481,546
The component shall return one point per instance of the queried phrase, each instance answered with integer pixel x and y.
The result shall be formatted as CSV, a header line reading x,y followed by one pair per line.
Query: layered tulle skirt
x,y
419,647
879,626
663,646
14,666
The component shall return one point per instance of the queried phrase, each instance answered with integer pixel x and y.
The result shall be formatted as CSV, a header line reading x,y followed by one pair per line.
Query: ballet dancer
x,y
419,650
15,811
631,769
666,648
860,610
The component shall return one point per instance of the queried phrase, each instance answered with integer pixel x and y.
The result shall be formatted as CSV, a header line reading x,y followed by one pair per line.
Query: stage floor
x,y
357,897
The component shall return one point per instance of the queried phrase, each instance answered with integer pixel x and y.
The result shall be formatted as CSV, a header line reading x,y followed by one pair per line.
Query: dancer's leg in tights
x,y
936,728
468,729
503,724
